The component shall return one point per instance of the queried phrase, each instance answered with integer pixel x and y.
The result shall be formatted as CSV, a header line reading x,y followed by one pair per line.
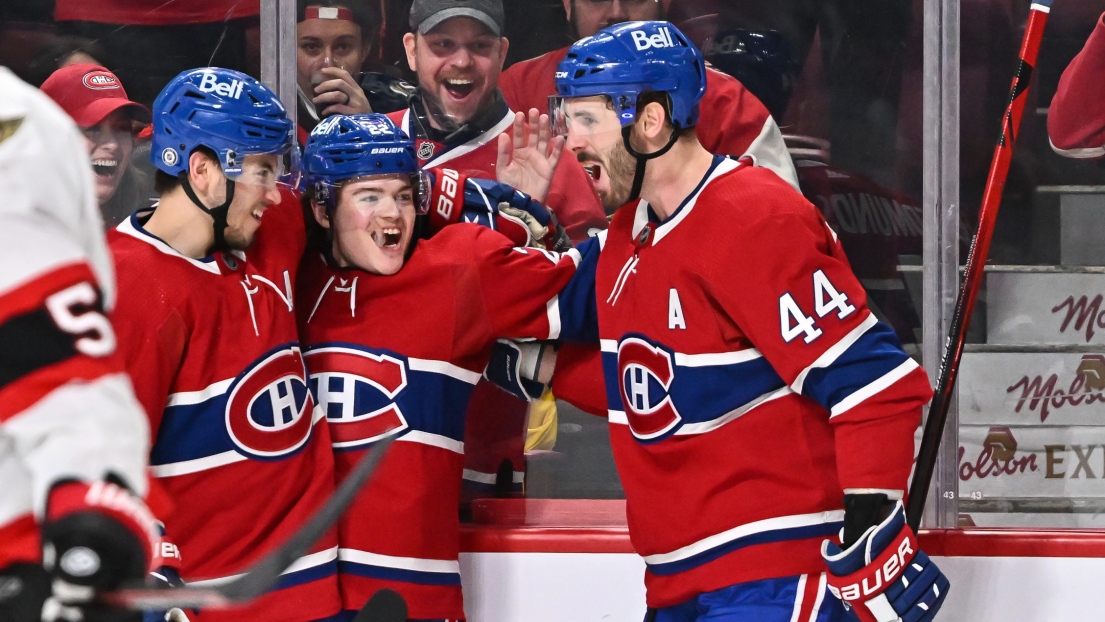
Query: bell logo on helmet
x,y
644,41
168,156
210,84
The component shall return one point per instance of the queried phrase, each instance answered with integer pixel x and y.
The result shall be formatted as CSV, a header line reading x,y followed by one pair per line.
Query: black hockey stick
x,y
976,261
384,606
262,576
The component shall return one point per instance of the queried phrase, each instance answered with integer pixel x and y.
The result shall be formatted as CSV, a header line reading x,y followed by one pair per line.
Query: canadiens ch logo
x,y
646,372
268,413
357,391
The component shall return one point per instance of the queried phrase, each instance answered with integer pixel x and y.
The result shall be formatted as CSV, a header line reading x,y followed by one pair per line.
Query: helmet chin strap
x,y
643,158
219,213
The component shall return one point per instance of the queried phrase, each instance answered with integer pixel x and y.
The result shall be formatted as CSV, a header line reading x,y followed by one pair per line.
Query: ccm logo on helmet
x,y
643,41
895,563
210,84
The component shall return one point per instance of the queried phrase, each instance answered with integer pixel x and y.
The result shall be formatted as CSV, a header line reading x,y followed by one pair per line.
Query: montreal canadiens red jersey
x,y
747,383
238,444
1076,119
155,14
732,121
399,356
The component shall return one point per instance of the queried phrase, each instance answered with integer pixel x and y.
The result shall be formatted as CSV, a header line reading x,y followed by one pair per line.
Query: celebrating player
x,y
397,332
756,405
73,441
734,121
207,326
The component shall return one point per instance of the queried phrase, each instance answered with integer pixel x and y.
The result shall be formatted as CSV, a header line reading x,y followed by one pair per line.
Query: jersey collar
x,y
645,215
133,227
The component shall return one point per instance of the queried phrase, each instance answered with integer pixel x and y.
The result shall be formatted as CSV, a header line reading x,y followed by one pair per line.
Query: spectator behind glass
x,y
733,122
333,39
151,42
95,99
62,52
1076,121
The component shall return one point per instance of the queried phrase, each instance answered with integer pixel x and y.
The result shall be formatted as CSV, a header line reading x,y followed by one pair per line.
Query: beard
x,y
620,167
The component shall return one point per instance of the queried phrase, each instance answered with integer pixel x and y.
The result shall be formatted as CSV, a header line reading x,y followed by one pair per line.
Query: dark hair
x,y
164,183
49,59
366,14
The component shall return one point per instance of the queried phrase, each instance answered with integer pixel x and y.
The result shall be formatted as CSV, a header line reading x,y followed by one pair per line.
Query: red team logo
x,y
100,80
357,390
268,413
646,373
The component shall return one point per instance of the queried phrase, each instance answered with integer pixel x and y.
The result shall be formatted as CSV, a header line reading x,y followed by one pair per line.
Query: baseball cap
x,y
428,14
89,93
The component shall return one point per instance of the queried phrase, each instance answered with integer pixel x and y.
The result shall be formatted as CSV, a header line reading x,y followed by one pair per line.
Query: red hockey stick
x,y
976,260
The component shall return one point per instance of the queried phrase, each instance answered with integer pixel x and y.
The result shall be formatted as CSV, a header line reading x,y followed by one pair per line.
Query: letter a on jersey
x,y
675,311
646,372
357,390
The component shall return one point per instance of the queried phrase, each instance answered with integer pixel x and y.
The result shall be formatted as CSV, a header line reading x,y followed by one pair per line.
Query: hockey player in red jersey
x,y
397,332
73,440
757,408
206,319
734,122
1076,119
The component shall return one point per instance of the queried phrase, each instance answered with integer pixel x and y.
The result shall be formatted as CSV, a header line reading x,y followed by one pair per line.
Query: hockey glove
x,y
456,198
884,577
166,574
95,538
515,367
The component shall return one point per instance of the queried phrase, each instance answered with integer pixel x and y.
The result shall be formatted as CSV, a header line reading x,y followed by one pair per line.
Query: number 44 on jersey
x,y
826,299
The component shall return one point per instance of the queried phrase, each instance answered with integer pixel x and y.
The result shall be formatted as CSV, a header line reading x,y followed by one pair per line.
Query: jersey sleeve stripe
x,y
713,424
434,440
16,397
829,356
406,569
552,312
195,466
885,381
777,529
444,368
871,357
325,561
190,398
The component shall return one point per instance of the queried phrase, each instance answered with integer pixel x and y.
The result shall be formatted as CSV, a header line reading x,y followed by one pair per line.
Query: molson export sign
x,y
1013,462
1051,308
1017,388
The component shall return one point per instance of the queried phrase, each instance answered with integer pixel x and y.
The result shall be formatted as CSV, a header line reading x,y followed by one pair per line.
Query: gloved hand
x,y
166,574
96,537
515,367
884,576
455,197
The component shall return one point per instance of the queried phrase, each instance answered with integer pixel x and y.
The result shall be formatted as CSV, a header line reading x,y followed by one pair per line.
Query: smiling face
x,y
595,137
327,43
110,144
458,65
373,223
254,192
590,16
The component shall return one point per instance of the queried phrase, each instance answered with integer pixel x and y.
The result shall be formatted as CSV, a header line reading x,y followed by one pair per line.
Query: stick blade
x,y
384,606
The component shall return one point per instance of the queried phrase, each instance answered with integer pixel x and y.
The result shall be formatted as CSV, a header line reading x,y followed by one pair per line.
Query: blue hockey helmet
x,y
227,112
343,147
631,58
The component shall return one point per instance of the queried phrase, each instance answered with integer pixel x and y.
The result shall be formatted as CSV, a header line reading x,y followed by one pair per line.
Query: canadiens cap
x,y
89,93
428,14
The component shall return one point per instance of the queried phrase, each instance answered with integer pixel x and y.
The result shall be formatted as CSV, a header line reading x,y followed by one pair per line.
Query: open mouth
x,y
257,213
105,168
459,88
387,238
594,171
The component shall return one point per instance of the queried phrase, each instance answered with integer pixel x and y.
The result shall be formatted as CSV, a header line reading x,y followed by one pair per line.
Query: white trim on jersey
x,y
617,416
552,314
1078,152
713,424
306,562
799,596
641,217
434,440
716,358
769,150
127,227
441,566
188,467
860,395
188,398
741,531
832,354
490,478
444,368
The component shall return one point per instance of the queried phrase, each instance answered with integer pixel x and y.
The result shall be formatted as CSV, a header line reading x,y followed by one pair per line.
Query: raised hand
x,y
339,93
528,155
